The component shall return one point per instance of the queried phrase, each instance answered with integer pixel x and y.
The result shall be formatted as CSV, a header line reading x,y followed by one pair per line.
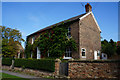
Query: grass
x,y
11,77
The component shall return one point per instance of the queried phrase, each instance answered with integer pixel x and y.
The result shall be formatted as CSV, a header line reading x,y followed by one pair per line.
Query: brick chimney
x,y
88,7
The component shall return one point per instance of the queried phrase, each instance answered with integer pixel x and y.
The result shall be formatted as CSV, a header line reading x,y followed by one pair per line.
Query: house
x,y
20,51
85,30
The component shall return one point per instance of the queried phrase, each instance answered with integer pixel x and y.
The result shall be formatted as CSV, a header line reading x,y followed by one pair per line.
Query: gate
x,y
63,68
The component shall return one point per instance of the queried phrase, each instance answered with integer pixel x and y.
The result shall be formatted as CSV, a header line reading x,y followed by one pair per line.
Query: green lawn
x,y
11,77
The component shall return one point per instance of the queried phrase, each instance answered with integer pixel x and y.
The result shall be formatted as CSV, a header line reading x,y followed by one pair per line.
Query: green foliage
x,y
39,64
7,61
11,77
11,38
109,47
118,50
28,49
31,49
55,42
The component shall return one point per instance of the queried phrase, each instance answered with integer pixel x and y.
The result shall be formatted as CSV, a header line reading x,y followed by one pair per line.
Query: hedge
x,y
7,61
38,64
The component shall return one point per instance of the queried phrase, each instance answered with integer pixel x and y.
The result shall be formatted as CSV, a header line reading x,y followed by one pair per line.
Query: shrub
x,y
7,61
39,64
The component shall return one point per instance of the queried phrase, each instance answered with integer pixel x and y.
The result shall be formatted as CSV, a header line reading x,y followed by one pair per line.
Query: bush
x,y
39,64
7,61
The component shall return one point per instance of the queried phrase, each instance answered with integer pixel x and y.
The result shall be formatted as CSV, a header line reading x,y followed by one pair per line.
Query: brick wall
x,y
57,66
94,69
75,35
89,36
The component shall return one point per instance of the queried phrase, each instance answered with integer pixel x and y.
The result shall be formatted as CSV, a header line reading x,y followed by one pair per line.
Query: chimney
x,y
88,7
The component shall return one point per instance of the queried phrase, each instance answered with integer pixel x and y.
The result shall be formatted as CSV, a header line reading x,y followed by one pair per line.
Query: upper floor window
x,y
69,32
49,34
33,39
83,50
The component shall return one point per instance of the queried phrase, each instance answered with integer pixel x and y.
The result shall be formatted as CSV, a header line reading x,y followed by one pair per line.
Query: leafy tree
x,y
108,47
118,50
11,38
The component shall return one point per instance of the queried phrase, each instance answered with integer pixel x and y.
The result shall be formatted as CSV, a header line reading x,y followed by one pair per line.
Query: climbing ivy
x,y
55,42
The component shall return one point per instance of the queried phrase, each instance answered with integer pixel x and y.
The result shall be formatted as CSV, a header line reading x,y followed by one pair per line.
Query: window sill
x,y
83,56
67,58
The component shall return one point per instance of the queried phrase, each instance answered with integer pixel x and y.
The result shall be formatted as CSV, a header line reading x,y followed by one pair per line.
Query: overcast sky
x,y
29,17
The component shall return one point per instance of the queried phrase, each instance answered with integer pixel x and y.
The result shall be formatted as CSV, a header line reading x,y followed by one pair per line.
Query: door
x,y
95,55
38,53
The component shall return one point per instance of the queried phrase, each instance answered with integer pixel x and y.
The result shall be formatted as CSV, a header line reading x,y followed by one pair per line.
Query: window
x,y
98,54
31,55
49,34
104,55
68,53
33,39
69,32
48,53
83,50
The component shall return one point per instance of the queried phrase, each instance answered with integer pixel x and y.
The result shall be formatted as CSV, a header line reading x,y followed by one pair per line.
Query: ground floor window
x,y
68,53
98,53
83,51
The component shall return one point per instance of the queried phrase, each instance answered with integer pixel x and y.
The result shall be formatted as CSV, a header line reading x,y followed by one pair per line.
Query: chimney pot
x,y
88,8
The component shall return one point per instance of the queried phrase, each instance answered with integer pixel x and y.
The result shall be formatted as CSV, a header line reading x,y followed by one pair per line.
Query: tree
x,y
11,38
118,50
108,47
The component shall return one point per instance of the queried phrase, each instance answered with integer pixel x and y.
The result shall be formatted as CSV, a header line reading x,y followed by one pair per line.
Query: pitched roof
x,y
65,21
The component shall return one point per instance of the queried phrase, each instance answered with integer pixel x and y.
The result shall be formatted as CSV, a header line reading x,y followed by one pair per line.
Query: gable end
x,y
93,18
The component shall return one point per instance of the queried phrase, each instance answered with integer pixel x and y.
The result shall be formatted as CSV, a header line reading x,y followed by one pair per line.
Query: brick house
x,y
84,30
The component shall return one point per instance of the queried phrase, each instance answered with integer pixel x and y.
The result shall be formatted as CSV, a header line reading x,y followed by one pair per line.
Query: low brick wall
x,y
94,69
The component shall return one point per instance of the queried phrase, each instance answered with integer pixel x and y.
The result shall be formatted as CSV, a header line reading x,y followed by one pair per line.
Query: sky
x,y
29,17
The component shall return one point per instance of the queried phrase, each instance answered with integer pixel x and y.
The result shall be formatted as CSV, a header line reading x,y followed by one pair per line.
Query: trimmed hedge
x,y
7,61
39,64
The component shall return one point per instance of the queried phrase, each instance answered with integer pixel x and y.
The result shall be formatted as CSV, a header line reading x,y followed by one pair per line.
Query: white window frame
x,y
68,52
48,53
84,51
69,31
49,34
98,53
38,53
33,39
31,55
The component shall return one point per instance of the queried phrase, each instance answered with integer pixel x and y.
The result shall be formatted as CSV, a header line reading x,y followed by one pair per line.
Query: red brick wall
x,y
94,69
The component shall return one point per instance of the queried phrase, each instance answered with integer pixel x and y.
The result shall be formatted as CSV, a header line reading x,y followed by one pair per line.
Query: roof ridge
x,y
59,23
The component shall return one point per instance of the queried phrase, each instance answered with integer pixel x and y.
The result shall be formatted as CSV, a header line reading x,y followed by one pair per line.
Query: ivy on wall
x,y
54,42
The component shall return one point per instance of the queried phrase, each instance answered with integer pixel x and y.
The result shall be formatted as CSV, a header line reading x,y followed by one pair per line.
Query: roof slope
x,y
65,21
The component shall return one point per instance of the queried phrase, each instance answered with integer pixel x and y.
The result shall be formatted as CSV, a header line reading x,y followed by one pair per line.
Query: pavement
x,y
24,75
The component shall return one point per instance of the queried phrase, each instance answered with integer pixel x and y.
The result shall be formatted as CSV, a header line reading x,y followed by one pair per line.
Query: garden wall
x,y
94,69
76,69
